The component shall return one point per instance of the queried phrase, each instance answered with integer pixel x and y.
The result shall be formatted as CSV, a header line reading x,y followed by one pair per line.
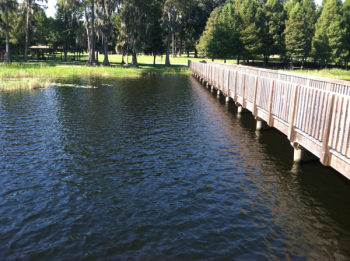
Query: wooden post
x,y
244,105
270,118
325,156
223,80
235,95
255,94
228,83
292,113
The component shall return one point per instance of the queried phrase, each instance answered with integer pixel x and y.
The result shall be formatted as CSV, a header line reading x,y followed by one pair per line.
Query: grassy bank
x,y
39,74
332,73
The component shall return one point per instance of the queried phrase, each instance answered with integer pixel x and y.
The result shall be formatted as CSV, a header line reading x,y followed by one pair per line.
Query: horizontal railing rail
x,y
333,85
315,118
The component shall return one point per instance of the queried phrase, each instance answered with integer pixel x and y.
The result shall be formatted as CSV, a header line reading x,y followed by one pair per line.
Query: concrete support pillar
x,y
259,124
218,93
212,87
240,109
299,152
207,85
228,99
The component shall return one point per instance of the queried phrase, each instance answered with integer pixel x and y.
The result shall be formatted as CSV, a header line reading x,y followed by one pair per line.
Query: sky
x,y
51,7
50,12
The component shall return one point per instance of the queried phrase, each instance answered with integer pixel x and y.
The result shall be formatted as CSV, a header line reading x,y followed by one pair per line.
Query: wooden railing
x,y
313,116
327,84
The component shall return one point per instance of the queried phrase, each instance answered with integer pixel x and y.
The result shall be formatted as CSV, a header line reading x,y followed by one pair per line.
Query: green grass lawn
x,y
329,73
115,59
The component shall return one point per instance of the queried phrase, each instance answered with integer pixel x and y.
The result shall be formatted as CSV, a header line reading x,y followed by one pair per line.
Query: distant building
x,y
2,52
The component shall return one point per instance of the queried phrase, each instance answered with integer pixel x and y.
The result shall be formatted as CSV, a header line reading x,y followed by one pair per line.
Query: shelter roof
x,y
40,47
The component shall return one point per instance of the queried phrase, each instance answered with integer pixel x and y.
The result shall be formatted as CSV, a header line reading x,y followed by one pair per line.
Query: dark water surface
x,y
157,168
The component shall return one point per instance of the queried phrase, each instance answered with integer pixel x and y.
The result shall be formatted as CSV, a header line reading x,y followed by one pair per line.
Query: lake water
x,y
157,168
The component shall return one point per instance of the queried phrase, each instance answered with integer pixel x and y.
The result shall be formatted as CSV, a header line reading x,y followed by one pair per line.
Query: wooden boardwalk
x,y
313,112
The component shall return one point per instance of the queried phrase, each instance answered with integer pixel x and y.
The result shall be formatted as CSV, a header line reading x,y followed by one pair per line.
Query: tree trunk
x,y
173,43
167,59
92,39
8,53
188,54
346,64
238,59
225,60
123,62
134,59
180,50
154,59
88,35
106,61
127,56
264,61
195,53
65,55
25,58
16,54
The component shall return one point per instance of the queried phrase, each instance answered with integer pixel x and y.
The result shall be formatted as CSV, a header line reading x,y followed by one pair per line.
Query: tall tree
x,y
226,41
208,34
5,7
17,22
251,33
300,29
273,29
108,7
30,6
330,31
172,10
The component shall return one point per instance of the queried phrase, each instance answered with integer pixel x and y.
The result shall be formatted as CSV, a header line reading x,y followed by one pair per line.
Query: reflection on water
x,y
157,168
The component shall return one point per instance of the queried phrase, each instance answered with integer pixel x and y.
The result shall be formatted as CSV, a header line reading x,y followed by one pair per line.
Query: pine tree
x,y
226,43
273,28
251,31
208,34
330,33
300,29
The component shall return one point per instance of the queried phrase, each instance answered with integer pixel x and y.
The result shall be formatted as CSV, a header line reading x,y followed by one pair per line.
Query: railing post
x,y
223,80
235,95
243,92
255,94
228,83
270,118
325,156
292,113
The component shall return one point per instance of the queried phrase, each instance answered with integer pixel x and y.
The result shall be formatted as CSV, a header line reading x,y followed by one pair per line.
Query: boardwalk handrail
x,y
313,118
334,85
